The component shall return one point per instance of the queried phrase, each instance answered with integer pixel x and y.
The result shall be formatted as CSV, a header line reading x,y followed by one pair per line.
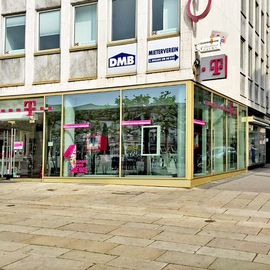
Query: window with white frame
x,y
15,34
85,26
242,55
49,30
123,19
165,16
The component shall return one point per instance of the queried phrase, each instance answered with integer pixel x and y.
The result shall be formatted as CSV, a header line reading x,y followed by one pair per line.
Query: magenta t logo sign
x,y
214,65
29,106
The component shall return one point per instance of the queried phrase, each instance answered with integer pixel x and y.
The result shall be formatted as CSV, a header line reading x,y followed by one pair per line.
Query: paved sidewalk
x,y
223,225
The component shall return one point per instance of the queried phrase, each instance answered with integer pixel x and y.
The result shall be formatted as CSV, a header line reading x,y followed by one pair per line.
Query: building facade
x,y
158,92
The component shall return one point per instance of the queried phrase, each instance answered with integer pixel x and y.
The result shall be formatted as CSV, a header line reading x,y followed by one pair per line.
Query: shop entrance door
x,y
21,147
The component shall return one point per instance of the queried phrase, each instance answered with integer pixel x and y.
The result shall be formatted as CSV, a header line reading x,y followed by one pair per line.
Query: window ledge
x,y
46,82
11,85
160,36
122,42
82,48
46,52
86,78
121,75
162,70
12,56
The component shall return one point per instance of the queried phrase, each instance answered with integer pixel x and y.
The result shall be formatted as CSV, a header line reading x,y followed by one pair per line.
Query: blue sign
x,y
122,60
162,59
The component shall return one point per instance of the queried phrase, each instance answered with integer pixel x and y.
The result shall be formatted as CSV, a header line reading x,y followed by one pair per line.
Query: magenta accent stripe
x,y
76,125
136,122
199,122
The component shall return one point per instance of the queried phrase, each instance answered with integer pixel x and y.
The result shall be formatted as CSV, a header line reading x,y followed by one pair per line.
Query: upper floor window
x,y
251,4
15,34
49,30
165,15
85,28
123,19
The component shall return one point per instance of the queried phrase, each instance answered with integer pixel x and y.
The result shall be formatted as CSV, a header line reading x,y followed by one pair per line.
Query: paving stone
x,y
182,267
182,230
258,238
88,227
17,228
45,223
52,232
138,264
142,226
195,260
195,223
218,234
147,253
7,258
35,262
130,241
105,267
248,213
14,236
247,246
10,246
175,246
225,264
262,259
227,253
87,256
90,236
183,238
135,232
88,245
43,250
51,241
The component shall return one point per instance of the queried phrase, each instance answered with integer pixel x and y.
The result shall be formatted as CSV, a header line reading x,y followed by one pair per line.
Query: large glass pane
x,y
15,34
219,134
257,144
242,137
85,24
154,131
232,125
21,137
91,134
165,15
202,132
123,19
53,135
49,30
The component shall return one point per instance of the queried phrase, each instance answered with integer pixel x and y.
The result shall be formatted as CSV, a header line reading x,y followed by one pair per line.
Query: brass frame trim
x,y
109,76
163,36
122,42
62,137
189,130
120,132
45,82
162,70
82,78
82,48
12,56
47,52
11,85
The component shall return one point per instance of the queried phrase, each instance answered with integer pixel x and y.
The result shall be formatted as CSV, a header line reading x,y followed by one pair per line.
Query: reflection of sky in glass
x,y
98,99
179,91
54,100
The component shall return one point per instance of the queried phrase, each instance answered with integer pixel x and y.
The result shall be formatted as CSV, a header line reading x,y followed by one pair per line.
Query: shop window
x,y
53,135
202,132
257,146
153,131
49,30
242,137
15,34
165,16
232,127
85,29
123,19
219,135
91,134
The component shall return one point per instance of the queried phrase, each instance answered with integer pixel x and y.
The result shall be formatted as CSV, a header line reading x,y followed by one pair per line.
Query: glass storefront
x,y
219,134
21,138
257,145
157,148
127,133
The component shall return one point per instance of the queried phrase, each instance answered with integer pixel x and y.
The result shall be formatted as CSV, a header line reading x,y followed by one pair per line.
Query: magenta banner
x,y
76,125
199,122
136,122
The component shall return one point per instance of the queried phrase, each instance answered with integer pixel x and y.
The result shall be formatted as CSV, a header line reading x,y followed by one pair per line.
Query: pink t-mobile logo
x,y
29,106
216,65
